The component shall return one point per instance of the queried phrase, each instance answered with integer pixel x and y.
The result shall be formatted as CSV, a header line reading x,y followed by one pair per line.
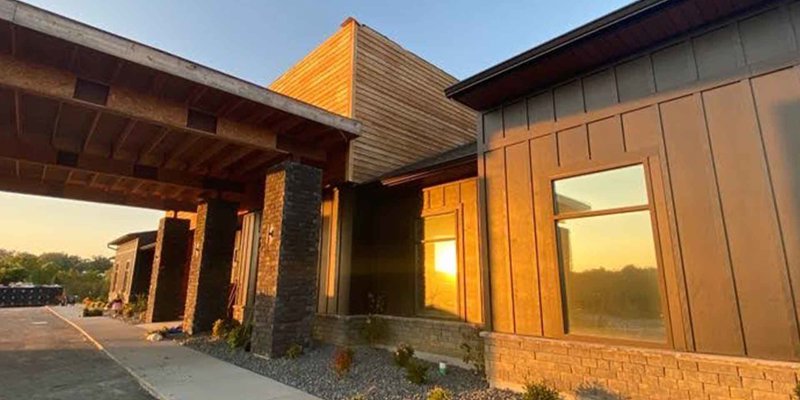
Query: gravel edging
x,y
374,374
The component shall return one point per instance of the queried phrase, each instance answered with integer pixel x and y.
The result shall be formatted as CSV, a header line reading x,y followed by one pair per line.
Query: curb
x,y
143,383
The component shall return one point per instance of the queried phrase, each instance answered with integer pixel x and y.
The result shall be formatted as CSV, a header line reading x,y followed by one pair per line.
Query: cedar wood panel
x,y
714,117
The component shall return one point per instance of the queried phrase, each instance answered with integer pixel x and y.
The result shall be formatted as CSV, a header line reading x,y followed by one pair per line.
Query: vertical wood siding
x,y
714,116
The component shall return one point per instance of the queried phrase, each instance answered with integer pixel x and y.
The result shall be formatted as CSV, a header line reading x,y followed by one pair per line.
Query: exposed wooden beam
x,y
69,176
117,71
17,115
13,39
230,107
196,94
229,159
92,129
207,155
56,120
117,147
16,168
93,180
44,173
73,58
85,193
162,134
41,153
182,148
59,85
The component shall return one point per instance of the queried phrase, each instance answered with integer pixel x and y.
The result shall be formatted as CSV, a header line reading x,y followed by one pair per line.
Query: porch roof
x,y
626,31
90,115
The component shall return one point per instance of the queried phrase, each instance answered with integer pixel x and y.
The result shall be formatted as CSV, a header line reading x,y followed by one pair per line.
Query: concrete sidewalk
x,y
170,371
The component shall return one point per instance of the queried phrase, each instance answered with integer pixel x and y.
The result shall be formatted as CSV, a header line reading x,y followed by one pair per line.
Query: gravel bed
x,y
374,374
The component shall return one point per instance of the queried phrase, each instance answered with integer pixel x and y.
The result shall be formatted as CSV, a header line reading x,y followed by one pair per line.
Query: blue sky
x,y
257,41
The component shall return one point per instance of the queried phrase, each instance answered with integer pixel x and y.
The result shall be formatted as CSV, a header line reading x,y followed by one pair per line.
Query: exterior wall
x,y
324,76
712,116
633,373
384,248
396,95
124,266
425,335
142,270
245,265
399,99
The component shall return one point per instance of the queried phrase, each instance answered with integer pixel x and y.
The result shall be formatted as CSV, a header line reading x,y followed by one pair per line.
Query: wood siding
x,y
324,76
399,99
713,117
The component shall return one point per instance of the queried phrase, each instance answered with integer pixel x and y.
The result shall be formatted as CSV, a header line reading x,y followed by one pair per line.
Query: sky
x,y
257,41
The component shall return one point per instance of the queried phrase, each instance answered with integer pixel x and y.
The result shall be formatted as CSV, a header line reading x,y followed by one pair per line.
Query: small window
x,y
439,266
607,254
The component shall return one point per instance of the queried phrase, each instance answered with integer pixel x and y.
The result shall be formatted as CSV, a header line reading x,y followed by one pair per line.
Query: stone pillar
x,y
286,282
164,300
210,271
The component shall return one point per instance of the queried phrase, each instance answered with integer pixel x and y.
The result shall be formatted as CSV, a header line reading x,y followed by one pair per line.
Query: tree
x,y
12,274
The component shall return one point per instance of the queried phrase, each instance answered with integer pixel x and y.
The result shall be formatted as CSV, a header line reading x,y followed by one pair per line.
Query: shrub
x,y
403,354
239,336
539,391
374,328
359,396
342,361
294,351
222,327
473,355
439,393
417,372
595,391
797,391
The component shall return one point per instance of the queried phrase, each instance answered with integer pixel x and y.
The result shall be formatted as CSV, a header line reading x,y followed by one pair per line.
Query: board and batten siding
x,y
715,119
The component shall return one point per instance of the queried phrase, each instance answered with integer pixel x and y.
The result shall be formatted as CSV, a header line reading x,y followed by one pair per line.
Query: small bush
x,y
403,354
239,336
473,355
358,397
342,361
595,391
222,327
294,351
439,393
417,372
539,391
797,391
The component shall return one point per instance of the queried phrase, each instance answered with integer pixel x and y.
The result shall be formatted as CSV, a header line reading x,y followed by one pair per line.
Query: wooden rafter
x,y
196,94
229,159
17,115
162,134
56,122
92,129
208,154
229,108
180,150
129,127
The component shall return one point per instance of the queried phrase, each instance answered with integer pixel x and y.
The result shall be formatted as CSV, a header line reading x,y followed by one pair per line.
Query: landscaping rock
x,y
374,374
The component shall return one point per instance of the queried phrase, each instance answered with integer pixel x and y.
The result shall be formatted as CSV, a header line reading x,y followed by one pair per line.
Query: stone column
x,y
164,297
286,282
210,271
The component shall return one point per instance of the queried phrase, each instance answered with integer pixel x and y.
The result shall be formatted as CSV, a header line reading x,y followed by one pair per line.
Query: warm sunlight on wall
x,y
446,258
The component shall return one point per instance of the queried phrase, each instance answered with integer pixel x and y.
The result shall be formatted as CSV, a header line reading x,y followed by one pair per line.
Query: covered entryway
x,y
88,115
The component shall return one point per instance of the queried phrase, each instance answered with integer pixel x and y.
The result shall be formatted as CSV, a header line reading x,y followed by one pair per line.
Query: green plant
x,y
294,351
403,354
595,391
416,372
222,327
473,354
797,391
439,393
342,361
239,336
539,391
359,396
375,327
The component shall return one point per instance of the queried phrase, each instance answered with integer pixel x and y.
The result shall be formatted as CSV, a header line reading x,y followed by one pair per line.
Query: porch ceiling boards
x,y
89,115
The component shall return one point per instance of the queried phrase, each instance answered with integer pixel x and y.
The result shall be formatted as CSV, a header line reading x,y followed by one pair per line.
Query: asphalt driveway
x,y
42,357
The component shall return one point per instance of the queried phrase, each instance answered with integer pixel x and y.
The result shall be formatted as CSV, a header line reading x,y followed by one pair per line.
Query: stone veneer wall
x,y
634,373
426,335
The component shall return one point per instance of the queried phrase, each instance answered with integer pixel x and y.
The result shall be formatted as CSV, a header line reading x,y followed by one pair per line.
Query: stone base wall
x,y
425,335
633,373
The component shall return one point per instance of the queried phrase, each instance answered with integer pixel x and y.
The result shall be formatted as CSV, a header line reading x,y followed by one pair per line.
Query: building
x,y
133,264
675,123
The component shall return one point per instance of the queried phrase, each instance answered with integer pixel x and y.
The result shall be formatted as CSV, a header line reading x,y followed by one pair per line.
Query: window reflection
x,y
621,187
608,261
440,266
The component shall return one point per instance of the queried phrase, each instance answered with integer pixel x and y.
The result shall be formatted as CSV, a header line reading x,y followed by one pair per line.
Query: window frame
x,y
419,267
645,163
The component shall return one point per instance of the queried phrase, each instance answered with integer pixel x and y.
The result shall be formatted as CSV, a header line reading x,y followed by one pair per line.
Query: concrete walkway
x,y
170,371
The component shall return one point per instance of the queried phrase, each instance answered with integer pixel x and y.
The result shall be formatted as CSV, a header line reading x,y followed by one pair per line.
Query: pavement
x,y
43,357
170,371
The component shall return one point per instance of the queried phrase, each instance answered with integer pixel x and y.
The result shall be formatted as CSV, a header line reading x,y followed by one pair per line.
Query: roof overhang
x,y
631,29
88,115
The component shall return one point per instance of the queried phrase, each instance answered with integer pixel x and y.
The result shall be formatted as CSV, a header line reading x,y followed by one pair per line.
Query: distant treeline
x,y
84,277
631,292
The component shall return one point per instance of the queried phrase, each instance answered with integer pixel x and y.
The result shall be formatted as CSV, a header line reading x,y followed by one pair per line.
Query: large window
x,y
439,266
611,284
